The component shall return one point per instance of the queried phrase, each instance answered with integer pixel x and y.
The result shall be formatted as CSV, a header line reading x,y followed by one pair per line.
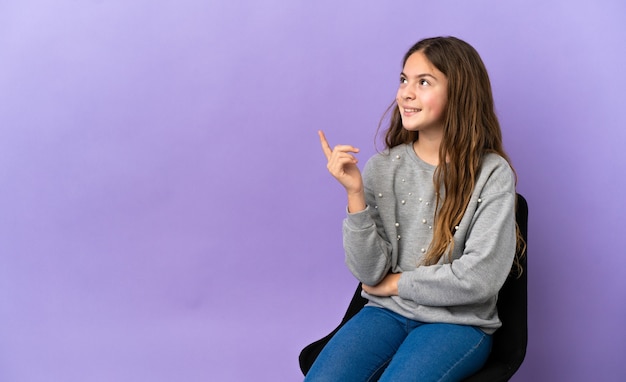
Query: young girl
x,y
430,228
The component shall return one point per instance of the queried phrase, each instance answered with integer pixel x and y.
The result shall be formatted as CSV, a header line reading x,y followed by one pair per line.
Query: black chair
x,y
509,341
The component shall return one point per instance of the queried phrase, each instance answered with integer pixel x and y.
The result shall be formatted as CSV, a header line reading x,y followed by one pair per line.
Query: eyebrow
x,y
422,75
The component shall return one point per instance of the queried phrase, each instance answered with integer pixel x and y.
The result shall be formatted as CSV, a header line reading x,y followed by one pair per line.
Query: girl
x,y
430,229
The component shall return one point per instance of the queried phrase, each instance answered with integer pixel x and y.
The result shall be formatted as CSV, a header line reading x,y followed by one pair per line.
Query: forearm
x,y
368,253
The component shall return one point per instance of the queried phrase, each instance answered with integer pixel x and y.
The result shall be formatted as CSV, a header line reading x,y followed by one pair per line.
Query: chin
x,y
410,128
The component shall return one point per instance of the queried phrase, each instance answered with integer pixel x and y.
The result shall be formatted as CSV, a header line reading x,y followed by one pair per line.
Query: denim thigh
x,y
377,340
361,349
439,352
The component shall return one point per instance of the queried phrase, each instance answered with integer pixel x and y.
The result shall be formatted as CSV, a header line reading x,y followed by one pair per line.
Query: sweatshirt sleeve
x,y
485,245
367,248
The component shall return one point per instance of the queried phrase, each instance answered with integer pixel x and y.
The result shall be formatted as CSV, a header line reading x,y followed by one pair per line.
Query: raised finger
x,y
325,146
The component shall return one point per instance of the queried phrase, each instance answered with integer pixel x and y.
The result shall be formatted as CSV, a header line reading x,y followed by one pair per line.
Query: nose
x,y
406,92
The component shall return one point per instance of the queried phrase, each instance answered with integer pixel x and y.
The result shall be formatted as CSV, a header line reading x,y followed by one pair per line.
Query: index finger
x,y
325,146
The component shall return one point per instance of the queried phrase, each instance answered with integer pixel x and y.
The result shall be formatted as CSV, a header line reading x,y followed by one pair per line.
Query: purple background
x,y
166,213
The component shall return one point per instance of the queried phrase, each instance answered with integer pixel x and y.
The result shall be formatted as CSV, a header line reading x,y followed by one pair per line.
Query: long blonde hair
x,y
471,130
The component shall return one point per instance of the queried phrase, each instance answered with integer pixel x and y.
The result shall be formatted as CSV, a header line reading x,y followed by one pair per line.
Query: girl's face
x,y
422,95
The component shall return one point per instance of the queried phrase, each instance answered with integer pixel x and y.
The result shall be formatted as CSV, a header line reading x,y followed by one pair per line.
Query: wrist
x,y
356,201
394,284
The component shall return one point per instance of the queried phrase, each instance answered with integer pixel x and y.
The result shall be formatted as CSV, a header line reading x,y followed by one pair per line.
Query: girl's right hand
x,y
343,165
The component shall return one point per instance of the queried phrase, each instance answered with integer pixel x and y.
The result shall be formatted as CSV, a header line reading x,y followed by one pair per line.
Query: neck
x,y
427,148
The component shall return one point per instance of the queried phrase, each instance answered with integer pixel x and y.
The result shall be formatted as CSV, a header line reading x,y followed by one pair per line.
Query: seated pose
x,y
430,229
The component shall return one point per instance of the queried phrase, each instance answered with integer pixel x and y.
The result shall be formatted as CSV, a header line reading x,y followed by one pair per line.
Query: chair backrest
x,y
509,341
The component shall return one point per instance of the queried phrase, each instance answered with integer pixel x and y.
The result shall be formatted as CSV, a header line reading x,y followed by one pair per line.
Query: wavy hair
x,y
471,130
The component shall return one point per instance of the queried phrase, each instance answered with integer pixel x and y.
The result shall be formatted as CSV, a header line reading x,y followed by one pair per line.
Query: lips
x,y
410,110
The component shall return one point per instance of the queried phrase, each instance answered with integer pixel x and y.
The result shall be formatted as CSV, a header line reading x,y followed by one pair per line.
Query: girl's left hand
x,y
387,287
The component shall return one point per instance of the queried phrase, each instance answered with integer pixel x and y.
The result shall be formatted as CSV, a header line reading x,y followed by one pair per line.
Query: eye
x,y
424,82
403,80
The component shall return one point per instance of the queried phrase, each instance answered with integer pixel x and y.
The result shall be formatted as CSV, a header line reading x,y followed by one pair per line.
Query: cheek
x,y
437,103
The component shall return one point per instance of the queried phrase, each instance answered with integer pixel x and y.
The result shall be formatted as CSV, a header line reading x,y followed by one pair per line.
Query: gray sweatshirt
x,y
394,231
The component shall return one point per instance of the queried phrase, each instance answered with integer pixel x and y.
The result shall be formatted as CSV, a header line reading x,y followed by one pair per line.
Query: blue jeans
x,y
380,345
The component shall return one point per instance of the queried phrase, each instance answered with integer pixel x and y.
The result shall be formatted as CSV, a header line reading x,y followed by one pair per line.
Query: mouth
x,y
410,110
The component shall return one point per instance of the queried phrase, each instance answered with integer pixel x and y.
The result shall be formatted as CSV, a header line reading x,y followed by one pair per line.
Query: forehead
x,y
417,64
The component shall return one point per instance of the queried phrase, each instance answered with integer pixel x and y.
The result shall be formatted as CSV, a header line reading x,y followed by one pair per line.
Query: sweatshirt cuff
x,y
404,285
359,220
